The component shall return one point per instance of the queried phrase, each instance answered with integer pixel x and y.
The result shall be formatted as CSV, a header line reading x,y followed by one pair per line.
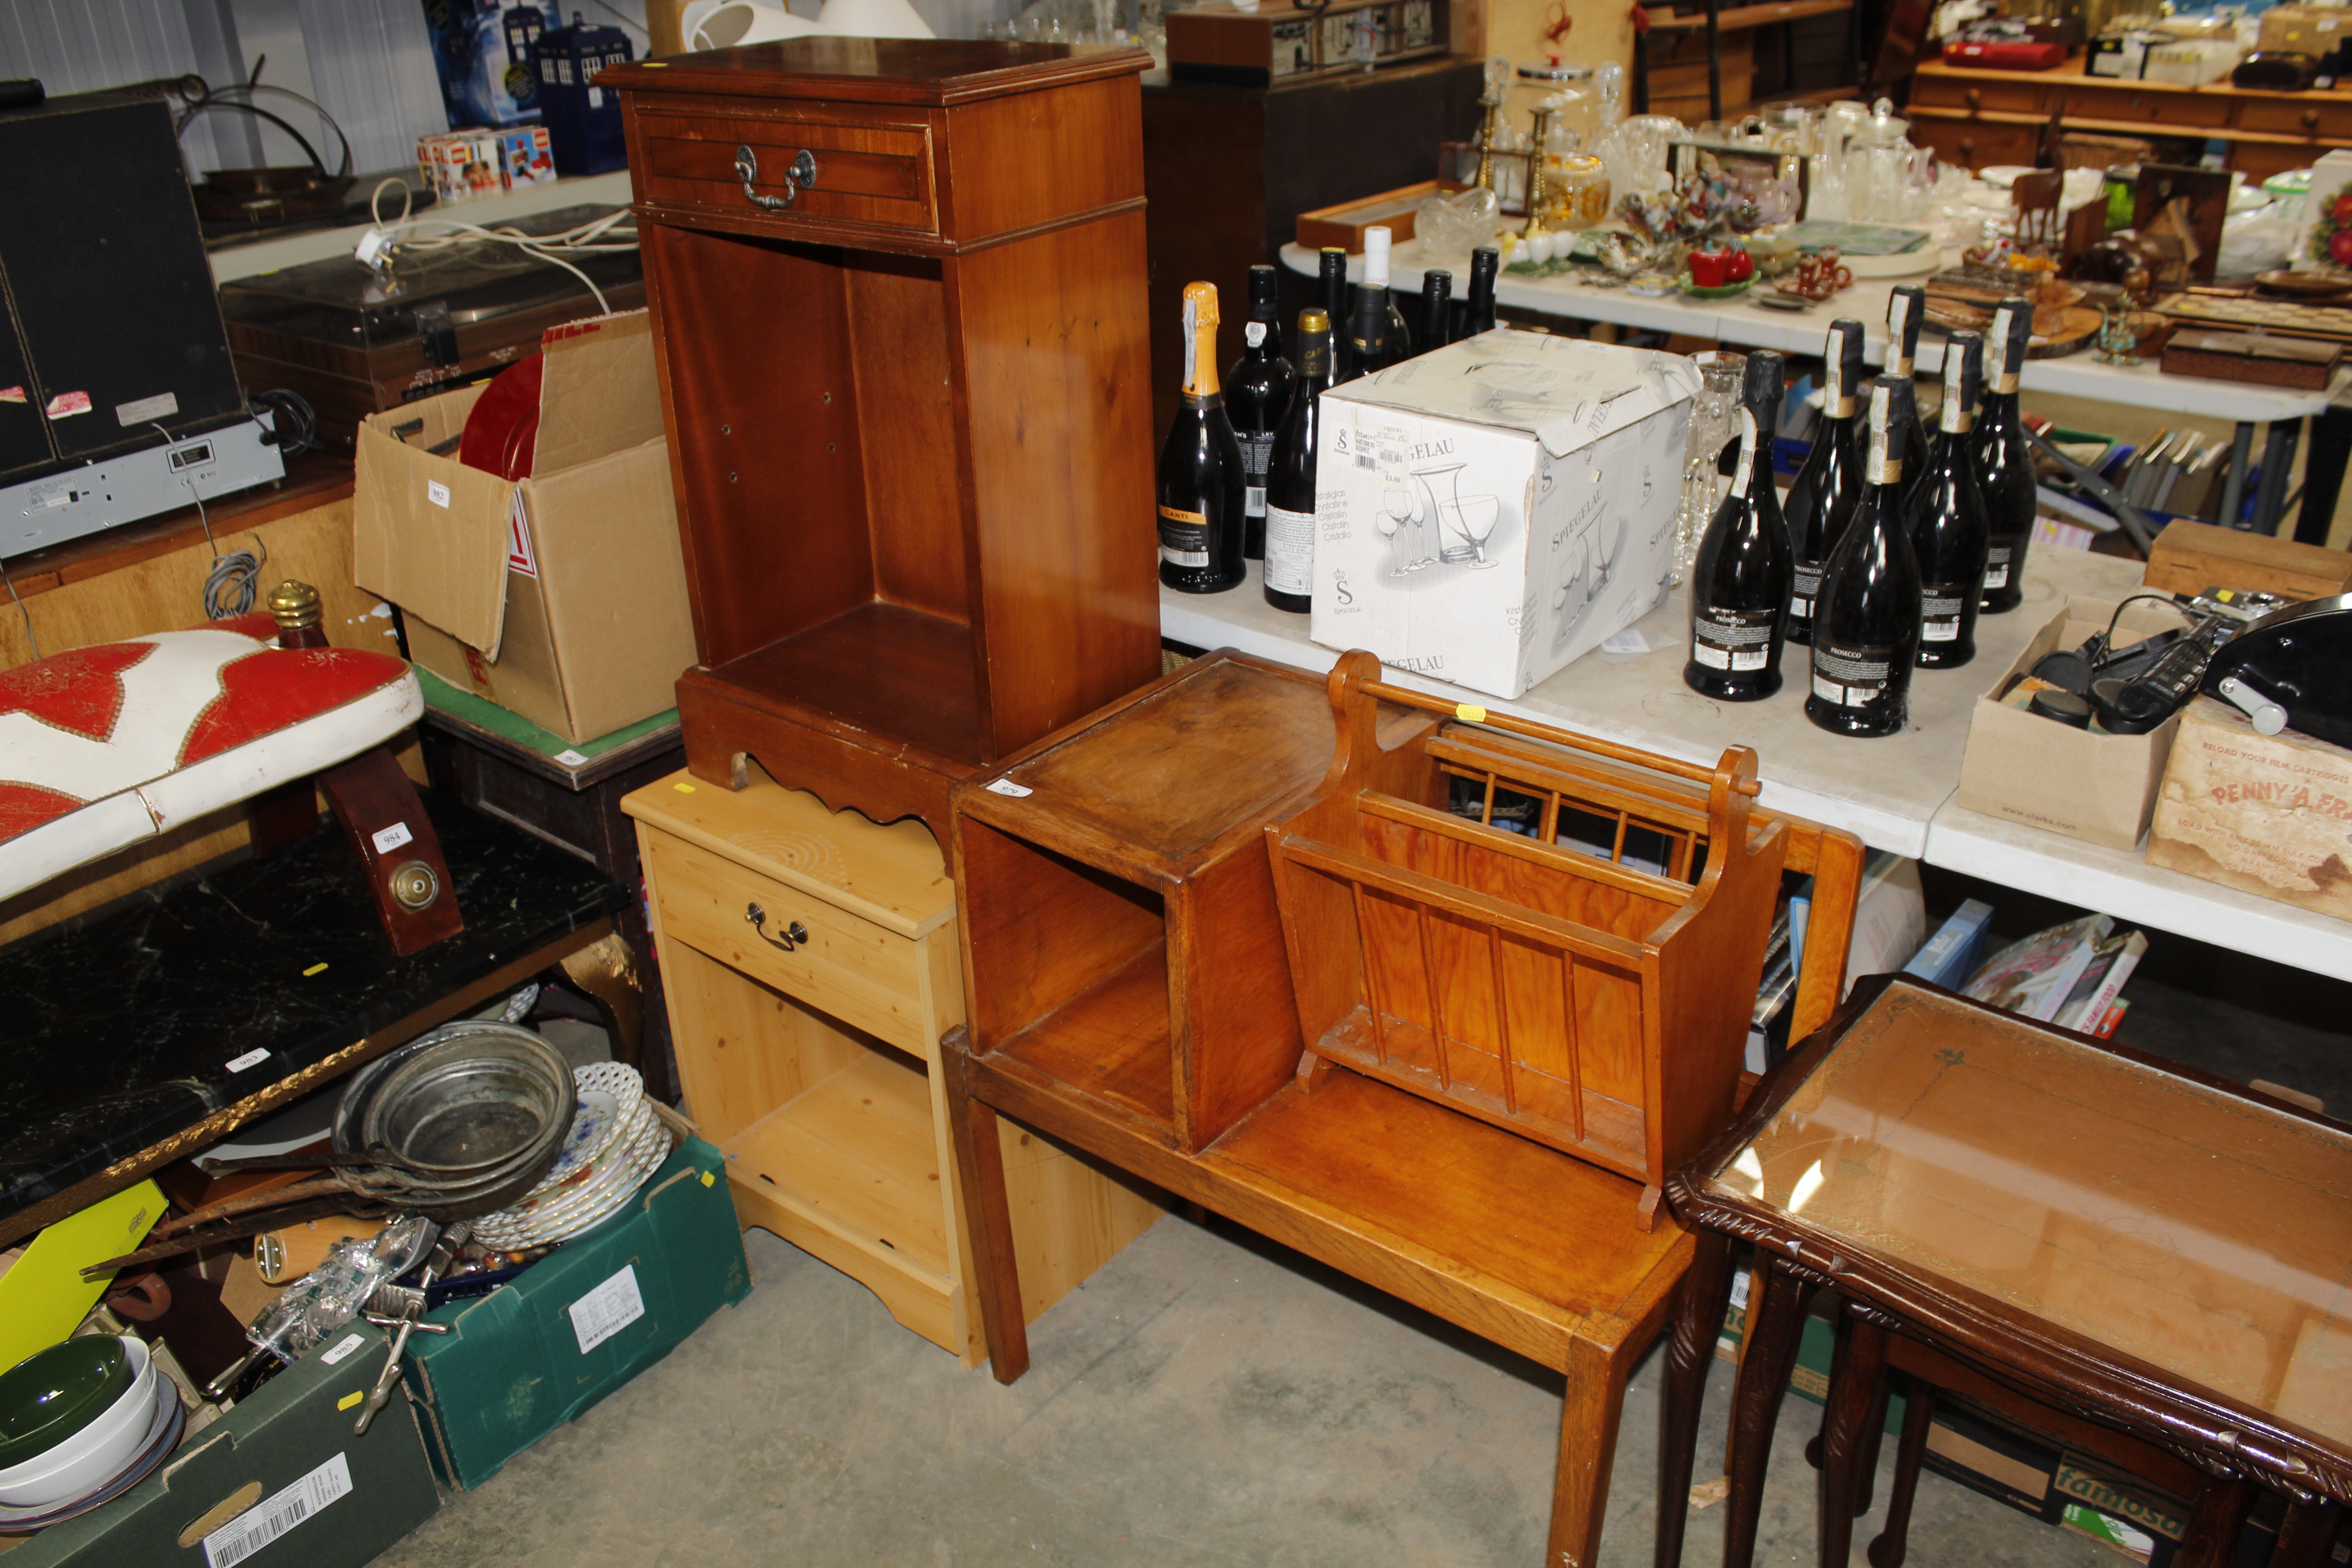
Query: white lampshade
x,y
722,24
874,19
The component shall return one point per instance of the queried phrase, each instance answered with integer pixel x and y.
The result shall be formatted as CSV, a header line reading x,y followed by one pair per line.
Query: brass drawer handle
x,y
1976,98
794,933
798,178
2311,119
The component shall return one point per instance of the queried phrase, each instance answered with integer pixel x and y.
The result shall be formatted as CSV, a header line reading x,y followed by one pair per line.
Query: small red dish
x,y
501,434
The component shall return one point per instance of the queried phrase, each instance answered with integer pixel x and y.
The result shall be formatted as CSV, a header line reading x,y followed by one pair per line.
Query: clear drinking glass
x,y
1715,424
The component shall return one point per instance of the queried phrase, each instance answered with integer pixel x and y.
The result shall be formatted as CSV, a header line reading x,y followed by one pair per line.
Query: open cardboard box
x,y
560,597
2092,786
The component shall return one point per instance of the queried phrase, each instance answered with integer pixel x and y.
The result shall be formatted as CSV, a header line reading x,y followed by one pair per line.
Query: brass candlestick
x,y
1536,224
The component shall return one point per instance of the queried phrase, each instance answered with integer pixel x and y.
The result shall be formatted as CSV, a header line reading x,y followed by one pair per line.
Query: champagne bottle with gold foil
x,y
1201,477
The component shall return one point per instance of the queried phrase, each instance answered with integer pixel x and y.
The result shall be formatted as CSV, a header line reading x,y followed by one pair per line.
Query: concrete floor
x,y
1207,1398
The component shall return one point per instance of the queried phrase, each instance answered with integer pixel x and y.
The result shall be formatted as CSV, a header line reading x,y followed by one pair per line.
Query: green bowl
x,y
53,1394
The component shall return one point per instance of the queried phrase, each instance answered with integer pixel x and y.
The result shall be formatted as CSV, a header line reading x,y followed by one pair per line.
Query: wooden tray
x,y
1343,224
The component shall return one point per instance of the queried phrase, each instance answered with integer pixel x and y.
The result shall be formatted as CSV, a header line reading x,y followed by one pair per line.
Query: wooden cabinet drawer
x,y
1976,144
2009,96
2332,121
875,172
848,967
2146,107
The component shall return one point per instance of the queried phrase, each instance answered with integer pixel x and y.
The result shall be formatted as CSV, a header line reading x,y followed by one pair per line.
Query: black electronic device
x,y
2292,669
111,335
2134,704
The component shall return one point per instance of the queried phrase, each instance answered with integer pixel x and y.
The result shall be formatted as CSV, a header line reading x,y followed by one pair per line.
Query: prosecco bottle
x,y
1436,309
1332,284
1866,622
1201,471
1257,395
1290,481
1828,485
1906,309
2004,461
1739,582
1478,305
1947,519
1376,337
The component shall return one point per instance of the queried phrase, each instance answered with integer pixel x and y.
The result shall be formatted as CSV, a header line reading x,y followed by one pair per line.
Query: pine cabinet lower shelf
x,y
836,1138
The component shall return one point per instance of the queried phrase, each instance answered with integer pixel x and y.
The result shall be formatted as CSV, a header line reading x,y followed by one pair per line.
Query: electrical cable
x,y
613,234
297,422
234,580
32,640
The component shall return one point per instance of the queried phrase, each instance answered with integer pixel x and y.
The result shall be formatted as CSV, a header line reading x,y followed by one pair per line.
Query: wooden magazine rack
x,y
1593,1005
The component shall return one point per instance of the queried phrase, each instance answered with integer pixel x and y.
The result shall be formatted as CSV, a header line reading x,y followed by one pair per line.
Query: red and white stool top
x,y
104,746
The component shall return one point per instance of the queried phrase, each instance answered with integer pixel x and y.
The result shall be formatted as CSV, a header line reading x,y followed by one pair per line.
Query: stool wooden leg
x,y
2215,1518
2309,1532
1597,1366
980,1181
415,900
1698,1321
1853,1394
1776,1323
1910,1453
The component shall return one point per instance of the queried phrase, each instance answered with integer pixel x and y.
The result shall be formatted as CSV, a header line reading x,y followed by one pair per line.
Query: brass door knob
x,y
414,885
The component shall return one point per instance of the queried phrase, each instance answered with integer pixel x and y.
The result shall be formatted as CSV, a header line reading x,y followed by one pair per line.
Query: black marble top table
x,y
131,1038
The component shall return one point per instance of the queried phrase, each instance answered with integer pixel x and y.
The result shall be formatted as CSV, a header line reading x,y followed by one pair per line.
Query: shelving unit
x,y
809,1064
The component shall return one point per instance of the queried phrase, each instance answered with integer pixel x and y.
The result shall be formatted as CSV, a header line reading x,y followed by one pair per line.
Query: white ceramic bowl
x,y
96,1454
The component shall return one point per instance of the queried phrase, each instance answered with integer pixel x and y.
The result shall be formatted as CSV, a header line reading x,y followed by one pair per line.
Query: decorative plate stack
x,y
615,1146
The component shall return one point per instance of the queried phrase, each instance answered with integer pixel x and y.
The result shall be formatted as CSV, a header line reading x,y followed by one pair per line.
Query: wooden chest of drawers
x,y
812,966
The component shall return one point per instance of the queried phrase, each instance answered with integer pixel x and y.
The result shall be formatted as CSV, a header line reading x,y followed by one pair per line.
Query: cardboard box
x,y
2263,814
525,158
2303,30
561,597
458,165
2095,787
281,1475
1492,511
2191,557
519,1362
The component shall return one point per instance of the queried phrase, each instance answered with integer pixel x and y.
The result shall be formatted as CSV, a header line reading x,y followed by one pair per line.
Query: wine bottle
x,y
1257,395
1478,306
1739,582
1375,333
1866,623
1907,309
1201,467
1290,480
1436,309
2004,461
1947,518
1829,482
1333,285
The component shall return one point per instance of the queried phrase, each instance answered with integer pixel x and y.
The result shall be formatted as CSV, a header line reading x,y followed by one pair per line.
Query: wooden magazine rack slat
x,y
1592,1006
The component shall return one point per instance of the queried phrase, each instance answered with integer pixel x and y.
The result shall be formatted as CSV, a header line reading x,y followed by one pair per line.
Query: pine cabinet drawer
x,y
820,174
2329,120
845,965
2143,106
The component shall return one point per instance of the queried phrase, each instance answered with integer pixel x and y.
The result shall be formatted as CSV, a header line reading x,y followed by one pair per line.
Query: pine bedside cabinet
x,y
811,965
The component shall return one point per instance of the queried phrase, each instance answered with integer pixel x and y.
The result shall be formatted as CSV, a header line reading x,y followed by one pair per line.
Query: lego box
x,y
1491,510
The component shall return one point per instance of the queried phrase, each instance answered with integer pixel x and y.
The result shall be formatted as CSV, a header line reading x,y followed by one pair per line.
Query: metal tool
x,y
412,1303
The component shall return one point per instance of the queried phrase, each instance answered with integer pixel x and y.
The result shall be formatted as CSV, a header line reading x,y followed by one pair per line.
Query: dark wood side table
x,y
506,767
2117,1237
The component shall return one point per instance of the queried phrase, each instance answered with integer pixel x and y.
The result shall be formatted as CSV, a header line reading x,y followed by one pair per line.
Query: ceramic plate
x,y
612,1169
1722,291
163,1433
595,1117
647,1153
2004,174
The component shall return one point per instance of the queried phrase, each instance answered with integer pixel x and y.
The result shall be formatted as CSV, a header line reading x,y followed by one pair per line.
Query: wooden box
x,y
2255,358
806,1040
900,292
1570,995
2263,814
1344,224
2191,557
1121,929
